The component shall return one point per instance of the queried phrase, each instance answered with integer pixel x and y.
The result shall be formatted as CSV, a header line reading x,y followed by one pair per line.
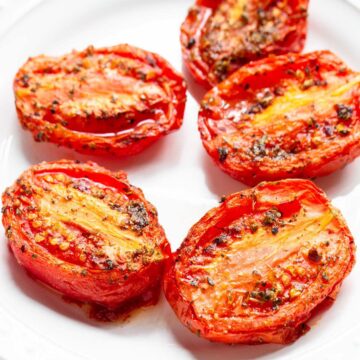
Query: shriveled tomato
x,y
86,232
219,36
254,269
115,100
287,116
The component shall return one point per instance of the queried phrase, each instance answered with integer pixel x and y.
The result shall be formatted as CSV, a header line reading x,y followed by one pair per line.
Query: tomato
x,y
287,116
254,269
219,36
115,100
85,232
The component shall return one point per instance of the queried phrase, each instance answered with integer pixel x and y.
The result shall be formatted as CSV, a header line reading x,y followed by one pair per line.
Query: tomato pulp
x,y
219,36
85,232
294,115
254,269
115,100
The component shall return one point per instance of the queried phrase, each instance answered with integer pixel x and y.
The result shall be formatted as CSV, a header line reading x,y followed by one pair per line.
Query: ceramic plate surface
x,y
176,175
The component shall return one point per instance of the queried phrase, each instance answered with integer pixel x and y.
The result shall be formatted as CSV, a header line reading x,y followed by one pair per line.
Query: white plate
x,y
175,174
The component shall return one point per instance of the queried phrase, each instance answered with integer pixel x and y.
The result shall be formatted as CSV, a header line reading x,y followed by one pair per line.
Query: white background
x,y
175,174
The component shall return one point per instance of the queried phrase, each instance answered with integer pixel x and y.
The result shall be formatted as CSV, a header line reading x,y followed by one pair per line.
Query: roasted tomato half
x,y
115,100
85,232
219,36
286,116
254,269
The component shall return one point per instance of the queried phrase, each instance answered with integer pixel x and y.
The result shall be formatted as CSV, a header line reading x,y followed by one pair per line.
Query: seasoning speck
x,y
313,255
109,264
210,281
223,153
191,43
344,112
274,230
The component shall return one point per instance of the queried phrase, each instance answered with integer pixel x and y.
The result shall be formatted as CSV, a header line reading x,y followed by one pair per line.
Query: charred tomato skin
x,y
219,36
116,100
212,298
74,266
288,116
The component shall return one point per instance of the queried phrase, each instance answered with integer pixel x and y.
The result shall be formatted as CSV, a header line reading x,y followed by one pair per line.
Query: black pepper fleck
x,y
223,153
274,230
344,112
314,256
191,43
109,265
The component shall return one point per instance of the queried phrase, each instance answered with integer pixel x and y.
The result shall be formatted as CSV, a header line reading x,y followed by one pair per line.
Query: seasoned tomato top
x,y
264,258
84,215
109,97
286,113
219,36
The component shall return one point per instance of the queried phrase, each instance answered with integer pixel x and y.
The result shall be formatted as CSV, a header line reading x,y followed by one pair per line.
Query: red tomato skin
x,y
111,289
294,326
106,289
124,143
193,26
333,163
185,313
330,158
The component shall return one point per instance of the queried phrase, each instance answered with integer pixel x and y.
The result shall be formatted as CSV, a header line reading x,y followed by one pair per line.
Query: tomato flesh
x,y
113,100
219,36
85,232
286,116
253,269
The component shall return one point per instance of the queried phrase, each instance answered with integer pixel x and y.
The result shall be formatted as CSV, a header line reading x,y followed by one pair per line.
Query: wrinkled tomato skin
x,y
108,290
105,283
214,44
198,299
117,100
297,140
